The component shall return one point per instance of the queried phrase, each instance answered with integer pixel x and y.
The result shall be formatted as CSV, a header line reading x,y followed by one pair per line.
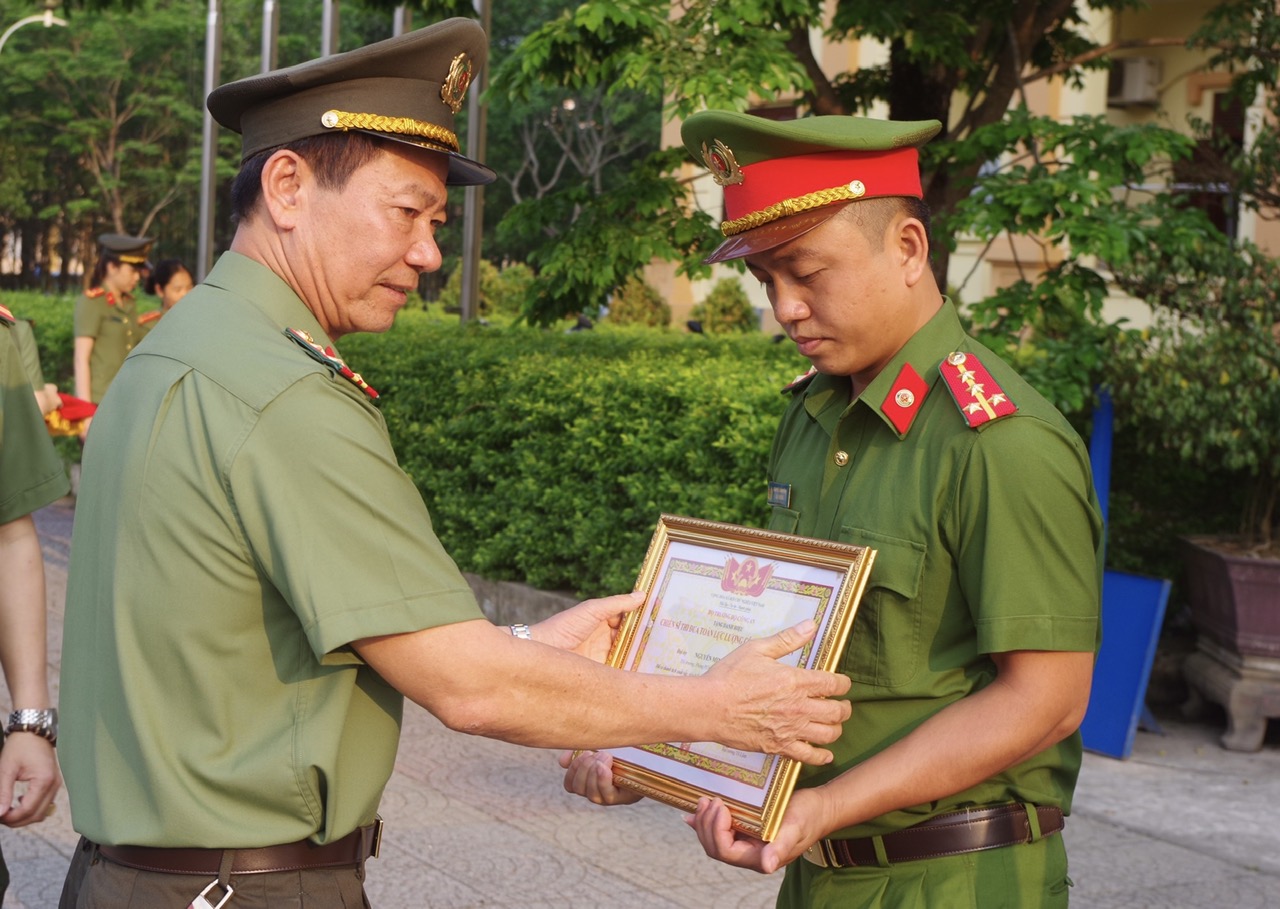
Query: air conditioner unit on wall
x,y
1134,81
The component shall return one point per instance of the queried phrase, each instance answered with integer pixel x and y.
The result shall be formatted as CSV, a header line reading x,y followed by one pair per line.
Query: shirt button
x,y
842,458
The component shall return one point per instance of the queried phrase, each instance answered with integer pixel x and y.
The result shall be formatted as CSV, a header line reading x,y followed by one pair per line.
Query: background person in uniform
x,y
254,583
106,316
170,281
972,652
31,477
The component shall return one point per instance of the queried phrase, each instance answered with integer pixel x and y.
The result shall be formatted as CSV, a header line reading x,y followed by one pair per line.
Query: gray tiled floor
x,y
1182,824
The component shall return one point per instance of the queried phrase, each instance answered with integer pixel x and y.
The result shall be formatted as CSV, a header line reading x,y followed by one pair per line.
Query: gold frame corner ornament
x,y
455,86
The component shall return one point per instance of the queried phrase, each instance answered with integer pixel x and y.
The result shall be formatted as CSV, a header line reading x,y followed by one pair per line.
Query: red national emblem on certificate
x,y
746,578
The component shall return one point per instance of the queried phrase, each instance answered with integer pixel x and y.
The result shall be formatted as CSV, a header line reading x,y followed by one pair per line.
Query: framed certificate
x,y
709,588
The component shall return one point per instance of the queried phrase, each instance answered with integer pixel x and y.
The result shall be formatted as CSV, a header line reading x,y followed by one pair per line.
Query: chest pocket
x,y
885,647
784,520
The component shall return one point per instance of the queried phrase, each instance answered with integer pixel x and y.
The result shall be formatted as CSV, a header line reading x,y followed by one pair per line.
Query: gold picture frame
x,y
709,587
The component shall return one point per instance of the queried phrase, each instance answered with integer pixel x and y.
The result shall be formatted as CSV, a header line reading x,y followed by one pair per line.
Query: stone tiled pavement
x,y
1182,824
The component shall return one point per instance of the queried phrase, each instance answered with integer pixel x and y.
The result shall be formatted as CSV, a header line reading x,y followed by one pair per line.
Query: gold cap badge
x,y
722,164
457,82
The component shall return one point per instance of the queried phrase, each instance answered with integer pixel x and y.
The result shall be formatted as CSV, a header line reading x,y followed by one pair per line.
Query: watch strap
x,y
42,721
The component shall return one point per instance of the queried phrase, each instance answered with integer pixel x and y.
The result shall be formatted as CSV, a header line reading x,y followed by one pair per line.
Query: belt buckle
x,y
376,848
817,854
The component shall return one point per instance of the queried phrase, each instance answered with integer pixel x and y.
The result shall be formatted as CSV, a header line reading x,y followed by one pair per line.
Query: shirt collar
x,y
827,397
276,299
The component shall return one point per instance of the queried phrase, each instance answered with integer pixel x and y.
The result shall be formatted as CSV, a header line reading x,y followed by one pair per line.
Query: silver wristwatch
x,y
43,722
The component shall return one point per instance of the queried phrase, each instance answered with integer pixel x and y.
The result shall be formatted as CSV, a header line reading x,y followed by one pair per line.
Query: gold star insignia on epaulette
x,y
329,357
967,380
799,381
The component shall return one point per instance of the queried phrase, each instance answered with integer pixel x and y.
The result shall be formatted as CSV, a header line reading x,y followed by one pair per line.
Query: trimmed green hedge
x,y
547,457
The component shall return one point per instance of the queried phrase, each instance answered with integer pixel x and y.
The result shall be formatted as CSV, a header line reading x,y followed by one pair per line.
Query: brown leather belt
x,y
352,849
955,832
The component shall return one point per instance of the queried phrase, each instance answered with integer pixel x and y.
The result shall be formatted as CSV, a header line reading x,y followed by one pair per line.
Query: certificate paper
x,y
709,588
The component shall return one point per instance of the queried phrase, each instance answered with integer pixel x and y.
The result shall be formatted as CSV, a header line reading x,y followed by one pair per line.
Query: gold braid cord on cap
x,y
807,202
401,126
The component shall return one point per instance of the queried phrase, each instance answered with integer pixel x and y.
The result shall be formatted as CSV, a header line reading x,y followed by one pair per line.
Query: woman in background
x,y
106,320
169,281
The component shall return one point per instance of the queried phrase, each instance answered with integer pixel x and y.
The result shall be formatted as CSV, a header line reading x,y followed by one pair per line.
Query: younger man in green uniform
x,y
31,477
254,583
972,652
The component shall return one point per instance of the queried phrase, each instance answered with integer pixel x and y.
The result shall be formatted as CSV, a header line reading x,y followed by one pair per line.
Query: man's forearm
x,y
22,614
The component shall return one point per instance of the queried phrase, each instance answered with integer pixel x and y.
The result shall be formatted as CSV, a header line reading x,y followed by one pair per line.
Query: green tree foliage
x,y
638,303
960,63
102,121
101,126
726,309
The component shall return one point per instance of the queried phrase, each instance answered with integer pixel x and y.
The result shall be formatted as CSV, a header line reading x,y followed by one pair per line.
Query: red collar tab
x,y
977,395
905,398
148,317
6,317
329,357
779,181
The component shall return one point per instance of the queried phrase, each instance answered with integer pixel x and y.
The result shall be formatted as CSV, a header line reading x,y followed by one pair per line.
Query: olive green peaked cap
x,y
408,88
783,178
125,248
755,139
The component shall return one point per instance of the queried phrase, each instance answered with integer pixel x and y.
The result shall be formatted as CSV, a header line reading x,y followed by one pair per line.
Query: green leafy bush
x,y
637,303
726,309
502,290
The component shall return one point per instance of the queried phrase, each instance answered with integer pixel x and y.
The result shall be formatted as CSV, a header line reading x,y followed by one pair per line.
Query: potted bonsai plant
x,y
1204,380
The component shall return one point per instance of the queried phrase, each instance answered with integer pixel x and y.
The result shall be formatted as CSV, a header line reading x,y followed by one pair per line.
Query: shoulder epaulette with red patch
x,y
800,381
148,317
7,317
94,292
977,395
329,357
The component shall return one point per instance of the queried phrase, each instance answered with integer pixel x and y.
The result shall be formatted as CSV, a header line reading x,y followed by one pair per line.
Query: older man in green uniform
x,y
254,582
972,652
31,477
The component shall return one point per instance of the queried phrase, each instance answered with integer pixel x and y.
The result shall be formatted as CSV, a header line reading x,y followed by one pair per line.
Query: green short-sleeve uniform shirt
x,y
242,519
25,338
988,540
31,473
112,321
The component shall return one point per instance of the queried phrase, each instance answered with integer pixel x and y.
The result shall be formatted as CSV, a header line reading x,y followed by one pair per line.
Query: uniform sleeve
x,y
31,473
88,317
25,338
1029,538
337,526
